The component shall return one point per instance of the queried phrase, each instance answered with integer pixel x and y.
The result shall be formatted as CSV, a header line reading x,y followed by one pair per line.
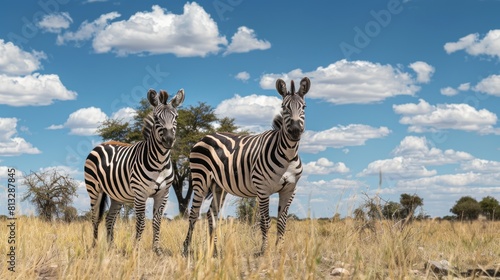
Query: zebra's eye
x,y
304,107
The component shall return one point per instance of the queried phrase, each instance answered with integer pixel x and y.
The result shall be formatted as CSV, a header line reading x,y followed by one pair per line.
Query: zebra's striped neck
x,y
156,152
287,148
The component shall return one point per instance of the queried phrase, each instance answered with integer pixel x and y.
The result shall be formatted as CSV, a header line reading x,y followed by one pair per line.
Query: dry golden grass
x,y
312,249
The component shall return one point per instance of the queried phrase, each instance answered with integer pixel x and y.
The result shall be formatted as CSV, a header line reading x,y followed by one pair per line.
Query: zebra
x,y
131,173
251,166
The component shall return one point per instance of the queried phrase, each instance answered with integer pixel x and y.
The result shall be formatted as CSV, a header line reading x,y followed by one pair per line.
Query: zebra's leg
x,y
264,221
140,214
213,214
113,211
96,200
160,200
198,196
286,198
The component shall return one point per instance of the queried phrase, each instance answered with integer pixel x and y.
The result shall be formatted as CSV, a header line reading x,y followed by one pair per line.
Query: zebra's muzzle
x,y
295,131
168,138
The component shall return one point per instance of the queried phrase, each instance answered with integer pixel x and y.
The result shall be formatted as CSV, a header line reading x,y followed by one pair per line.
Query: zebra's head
x,y
293,106
165,116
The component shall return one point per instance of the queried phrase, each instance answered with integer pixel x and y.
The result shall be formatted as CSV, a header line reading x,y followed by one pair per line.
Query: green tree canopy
x,y
409,204
490,208
466,208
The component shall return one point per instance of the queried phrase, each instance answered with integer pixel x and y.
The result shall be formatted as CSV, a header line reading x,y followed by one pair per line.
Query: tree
x,y
50,192
193,123
247,210
466,208
409,204
490,208
70,214
392,210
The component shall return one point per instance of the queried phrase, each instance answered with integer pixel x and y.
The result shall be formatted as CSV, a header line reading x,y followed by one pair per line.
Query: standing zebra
x,y
133,173
251,166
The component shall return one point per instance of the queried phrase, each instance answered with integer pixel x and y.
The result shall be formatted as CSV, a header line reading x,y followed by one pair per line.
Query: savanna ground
x,y
313,248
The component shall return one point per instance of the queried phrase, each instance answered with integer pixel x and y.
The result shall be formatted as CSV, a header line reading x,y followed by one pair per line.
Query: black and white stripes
x,y
133,173
252,165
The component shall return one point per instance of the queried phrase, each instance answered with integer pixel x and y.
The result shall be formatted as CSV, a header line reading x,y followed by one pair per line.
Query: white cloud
x,y
472,44
481,166
242,76
15,61
10,144
55,22
424,71
87,30
84,121
464,87
339,137
245,40
126,114
324,166
423,117
193,33
347,82
20,88
449,91
420,150
33,90
411,158
253,112
489,85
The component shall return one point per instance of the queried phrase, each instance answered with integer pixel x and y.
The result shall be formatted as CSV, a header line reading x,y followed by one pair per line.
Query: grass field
x,y
312,249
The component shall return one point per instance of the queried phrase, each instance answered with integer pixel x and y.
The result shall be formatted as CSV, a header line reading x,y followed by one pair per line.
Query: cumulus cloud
x,y
361,82
474,45
124,115
20,87
242,76
87,30
245,40
10,144
193,33
324,166
253,112
489,85
449,91
85,121
481,166
33,90
55,22
412,157
424,71
340,137
15,61
424,117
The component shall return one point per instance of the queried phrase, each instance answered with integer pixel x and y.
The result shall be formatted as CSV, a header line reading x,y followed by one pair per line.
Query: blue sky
x,y
406,89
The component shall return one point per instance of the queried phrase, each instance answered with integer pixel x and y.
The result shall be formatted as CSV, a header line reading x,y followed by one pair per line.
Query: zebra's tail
x,y
102,206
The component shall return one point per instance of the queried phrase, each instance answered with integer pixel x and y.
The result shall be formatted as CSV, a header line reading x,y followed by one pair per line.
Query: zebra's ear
x,y
152,97
281,87
163,97
305,84
178,99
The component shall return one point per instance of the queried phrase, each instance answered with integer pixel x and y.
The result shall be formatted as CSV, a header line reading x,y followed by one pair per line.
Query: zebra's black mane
x,y
278,121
